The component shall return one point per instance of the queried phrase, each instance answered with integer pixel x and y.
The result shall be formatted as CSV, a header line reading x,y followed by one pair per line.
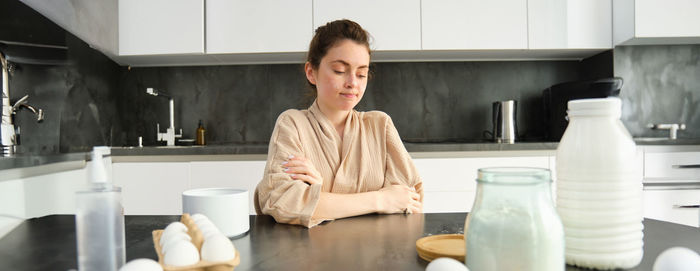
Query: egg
x,y
197,218
173,235
172,228
208,230
182,254
446,264
174,240
141,265
175,227
218,248
677,259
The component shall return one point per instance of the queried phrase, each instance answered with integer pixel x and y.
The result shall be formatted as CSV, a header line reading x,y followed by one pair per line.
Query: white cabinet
x,y
677,206
474,24
449,184
232,174
154,27
155,188
394,24
39,195
638,22
152,188
240,26
569,24
672,186
675,167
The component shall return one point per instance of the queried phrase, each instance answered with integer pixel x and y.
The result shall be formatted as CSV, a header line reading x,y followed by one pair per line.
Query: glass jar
x,y
513,224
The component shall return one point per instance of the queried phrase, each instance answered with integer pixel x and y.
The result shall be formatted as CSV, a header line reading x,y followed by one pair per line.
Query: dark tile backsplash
x,y
92,101
79,95
448,101
662,85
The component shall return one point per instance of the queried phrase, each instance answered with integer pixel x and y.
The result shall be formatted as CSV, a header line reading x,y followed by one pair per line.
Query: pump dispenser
x,y
200,134
99,218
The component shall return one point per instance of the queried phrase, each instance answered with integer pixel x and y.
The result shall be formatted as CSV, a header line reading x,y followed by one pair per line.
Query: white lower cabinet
x,y
449,184
152,188
677,206
40,195
231,174
155,188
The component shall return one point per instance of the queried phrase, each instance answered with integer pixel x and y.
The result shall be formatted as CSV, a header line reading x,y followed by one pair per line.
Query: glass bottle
x,y
200,134
513,224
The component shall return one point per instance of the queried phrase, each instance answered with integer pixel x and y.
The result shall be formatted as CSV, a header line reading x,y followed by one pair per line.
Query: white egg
x,y
173,235
174,240
218,248
199,218
677,259
208,229
142,265
172,228
182,254
211,233
446,264
175,227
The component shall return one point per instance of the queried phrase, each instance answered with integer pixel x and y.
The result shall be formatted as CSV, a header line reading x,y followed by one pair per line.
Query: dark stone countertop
x,y
31,160
369,242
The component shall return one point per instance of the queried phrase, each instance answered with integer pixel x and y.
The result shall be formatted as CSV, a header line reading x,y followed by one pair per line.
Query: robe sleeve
x,y
287,200
399,165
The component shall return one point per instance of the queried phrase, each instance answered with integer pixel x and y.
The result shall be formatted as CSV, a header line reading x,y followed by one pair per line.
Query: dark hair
x,y
328,36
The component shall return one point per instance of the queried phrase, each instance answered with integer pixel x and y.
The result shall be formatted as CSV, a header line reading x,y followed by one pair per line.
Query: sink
x,y
651,139
666,141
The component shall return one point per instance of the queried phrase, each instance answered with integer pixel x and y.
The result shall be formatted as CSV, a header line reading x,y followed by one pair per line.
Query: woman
x,y
330,161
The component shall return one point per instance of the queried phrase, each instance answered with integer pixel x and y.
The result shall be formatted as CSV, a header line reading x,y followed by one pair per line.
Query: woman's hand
x,y
399,199
300,168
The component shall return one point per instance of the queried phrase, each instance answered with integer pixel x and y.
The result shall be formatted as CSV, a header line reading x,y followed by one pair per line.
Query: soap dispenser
x,y
99,218
200,134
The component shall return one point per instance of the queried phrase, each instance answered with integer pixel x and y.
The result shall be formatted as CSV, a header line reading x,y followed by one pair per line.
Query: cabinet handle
x,y
686,166
685,206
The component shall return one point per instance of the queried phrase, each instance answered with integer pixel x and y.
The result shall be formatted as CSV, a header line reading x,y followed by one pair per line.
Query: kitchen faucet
x,y
169,135
8,134
673,128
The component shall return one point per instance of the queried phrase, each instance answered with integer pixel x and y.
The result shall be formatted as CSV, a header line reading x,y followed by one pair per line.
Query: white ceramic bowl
x,y
226,208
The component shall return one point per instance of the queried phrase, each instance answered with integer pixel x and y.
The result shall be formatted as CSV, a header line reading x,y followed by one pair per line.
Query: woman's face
x,y
341,77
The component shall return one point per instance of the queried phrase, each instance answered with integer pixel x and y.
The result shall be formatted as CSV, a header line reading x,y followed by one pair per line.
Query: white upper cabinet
x,y
393,24
656,22
263,26
569,24
154,27
474,24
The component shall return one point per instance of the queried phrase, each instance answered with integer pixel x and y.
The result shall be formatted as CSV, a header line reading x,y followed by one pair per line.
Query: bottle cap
x,y
611,106
97,171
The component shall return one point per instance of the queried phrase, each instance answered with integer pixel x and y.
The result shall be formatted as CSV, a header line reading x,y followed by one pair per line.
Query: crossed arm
x,y
388,200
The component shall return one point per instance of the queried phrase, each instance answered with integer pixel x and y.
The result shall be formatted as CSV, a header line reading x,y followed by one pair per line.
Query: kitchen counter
x,y
369,242
259,152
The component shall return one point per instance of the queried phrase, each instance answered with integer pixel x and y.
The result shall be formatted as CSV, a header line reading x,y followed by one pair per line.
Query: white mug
x,y
227,208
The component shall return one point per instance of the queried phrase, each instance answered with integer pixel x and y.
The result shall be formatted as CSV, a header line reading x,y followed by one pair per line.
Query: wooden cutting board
x,y
441,245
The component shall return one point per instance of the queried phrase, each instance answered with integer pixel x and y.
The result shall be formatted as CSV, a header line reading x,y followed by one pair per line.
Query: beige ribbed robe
x,y
369,157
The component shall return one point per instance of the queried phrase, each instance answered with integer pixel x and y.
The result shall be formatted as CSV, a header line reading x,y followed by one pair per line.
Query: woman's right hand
x,y
399,199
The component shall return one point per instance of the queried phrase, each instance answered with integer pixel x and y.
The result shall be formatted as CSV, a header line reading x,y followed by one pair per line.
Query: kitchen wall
x,y
662,85
429,102
89,100
78,95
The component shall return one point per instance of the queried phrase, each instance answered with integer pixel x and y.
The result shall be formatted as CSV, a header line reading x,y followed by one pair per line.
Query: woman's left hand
x,y
300,168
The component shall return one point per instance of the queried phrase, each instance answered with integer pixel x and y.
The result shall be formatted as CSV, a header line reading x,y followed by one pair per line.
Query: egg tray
x,y
197,240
